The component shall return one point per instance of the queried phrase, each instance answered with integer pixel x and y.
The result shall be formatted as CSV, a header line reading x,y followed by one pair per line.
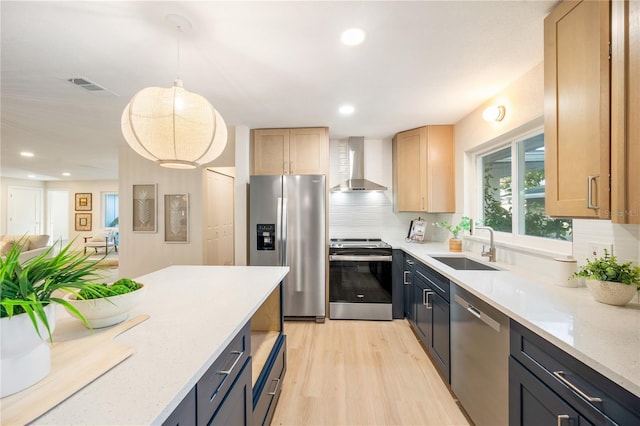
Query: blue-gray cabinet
x,y
549,386
408,287
397,285
431,311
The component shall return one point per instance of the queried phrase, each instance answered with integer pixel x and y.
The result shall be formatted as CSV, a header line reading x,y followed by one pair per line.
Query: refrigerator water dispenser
x,y
266,236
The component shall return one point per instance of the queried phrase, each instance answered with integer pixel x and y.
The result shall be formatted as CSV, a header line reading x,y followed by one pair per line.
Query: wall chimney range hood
x,y
356,181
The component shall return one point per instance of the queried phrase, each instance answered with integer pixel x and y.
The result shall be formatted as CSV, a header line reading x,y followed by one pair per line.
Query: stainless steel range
x,y
360,279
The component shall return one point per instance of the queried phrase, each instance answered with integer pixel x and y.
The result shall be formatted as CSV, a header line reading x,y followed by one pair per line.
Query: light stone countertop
x,y
195,311
605,337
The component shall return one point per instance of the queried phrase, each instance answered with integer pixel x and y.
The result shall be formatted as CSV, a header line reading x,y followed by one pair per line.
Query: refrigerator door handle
x,y
285,255
279,231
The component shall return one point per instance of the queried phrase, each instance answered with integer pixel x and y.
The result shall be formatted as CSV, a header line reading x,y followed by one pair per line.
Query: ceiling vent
x,y
89,85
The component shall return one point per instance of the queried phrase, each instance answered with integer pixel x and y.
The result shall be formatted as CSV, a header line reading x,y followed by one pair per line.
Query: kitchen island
x,y
195,313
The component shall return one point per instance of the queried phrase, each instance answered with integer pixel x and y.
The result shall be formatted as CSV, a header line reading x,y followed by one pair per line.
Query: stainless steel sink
x,y
461,263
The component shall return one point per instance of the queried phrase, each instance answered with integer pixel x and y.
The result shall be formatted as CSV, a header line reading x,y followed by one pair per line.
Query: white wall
x,y
141,253
242,137
96,188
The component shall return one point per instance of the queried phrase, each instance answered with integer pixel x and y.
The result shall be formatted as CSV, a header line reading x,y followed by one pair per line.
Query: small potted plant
x,y
29,291
455,243
609,281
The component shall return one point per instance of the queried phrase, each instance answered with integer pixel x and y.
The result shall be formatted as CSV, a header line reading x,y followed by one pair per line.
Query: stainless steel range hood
x,y
356,181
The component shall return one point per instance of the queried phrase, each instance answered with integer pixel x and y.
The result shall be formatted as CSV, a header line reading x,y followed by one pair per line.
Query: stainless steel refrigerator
x,y
287,228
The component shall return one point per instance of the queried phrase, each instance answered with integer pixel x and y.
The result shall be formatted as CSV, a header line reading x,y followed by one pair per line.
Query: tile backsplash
x,y
625,239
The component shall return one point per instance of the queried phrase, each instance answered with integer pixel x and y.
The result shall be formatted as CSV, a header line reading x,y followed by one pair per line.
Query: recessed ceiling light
x,y
346,109
353,36
26,154
32,176
66,174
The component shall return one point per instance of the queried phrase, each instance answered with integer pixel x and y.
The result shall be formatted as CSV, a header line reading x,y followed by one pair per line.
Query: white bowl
x,y
107,311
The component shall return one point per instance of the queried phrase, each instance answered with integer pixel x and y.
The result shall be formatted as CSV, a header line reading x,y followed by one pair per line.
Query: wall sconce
x,y
494,113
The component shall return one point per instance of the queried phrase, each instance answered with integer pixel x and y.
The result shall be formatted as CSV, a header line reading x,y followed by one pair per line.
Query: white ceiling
x,y
261,64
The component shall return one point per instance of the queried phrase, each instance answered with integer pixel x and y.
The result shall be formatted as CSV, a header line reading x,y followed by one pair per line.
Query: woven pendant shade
x,y
174,127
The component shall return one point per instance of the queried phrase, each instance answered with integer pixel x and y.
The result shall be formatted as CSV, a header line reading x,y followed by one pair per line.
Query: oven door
x,y
355,278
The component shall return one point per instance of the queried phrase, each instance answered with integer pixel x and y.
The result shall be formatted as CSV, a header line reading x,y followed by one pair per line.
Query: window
x,y
110,212
513,190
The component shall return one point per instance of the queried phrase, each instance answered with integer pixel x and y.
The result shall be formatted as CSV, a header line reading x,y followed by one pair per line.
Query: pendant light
x,y
172,126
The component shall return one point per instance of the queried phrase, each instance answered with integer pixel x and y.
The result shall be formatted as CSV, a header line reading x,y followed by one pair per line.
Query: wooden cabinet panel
x,y
308,151
576,111
409,162
270,149
290,151
423,170
625,110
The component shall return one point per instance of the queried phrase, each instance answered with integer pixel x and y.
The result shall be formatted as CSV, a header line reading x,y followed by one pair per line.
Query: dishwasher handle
x,y
478,313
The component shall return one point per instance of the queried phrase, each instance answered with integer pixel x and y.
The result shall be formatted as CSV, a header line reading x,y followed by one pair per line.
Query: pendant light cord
x,y
179,30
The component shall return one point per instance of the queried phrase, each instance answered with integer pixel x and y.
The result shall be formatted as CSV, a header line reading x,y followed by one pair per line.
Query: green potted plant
x,y
610,281
29,291
455,243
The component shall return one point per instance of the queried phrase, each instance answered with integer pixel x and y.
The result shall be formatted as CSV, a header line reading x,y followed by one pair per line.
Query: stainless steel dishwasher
x,y
479,358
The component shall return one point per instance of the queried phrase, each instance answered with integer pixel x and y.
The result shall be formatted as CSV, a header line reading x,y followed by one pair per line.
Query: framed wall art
x,y
176,218
83,221
83,201
145,208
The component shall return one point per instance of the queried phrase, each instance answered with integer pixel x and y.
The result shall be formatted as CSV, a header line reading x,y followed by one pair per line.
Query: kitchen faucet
x,y
491,254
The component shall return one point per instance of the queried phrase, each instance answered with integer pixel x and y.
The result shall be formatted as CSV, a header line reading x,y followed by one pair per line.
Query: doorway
x,y
24,210
218,219
58,215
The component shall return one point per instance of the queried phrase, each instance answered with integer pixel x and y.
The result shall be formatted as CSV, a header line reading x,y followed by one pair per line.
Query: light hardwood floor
x,y
361,373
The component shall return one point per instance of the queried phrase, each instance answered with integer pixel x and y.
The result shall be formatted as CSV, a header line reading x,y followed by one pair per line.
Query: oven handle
x,y
356,258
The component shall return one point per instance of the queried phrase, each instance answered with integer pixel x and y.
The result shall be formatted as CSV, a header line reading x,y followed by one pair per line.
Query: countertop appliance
x,y
479,358
360,279
287,228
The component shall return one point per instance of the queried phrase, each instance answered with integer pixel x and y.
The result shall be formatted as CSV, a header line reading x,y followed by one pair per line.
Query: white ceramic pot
x,y
611,293
107,311
25,357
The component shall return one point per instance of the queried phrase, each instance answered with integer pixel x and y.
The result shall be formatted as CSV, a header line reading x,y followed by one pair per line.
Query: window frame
x,y
514,237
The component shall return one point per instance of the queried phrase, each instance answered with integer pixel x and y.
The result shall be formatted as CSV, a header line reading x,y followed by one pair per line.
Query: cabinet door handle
x,y
560,375
425,297
275,389
590,181
404,278
227,372
422,203
562,418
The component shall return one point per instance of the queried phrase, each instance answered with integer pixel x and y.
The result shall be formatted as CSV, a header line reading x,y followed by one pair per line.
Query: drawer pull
x,y
275,390
562,418
560,375
227,372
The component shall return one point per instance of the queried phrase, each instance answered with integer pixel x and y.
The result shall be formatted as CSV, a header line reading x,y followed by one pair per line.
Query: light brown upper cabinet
x,y
423,170
576,109
625,112
303,151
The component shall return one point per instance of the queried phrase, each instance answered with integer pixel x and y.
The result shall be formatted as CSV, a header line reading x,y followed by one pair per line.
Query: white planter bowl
x,y
611,293
25,357
107,311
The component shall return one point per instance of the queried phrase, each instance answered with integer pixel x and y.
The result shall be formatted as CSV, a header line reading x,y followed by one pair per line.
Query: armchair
x,y
102,240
